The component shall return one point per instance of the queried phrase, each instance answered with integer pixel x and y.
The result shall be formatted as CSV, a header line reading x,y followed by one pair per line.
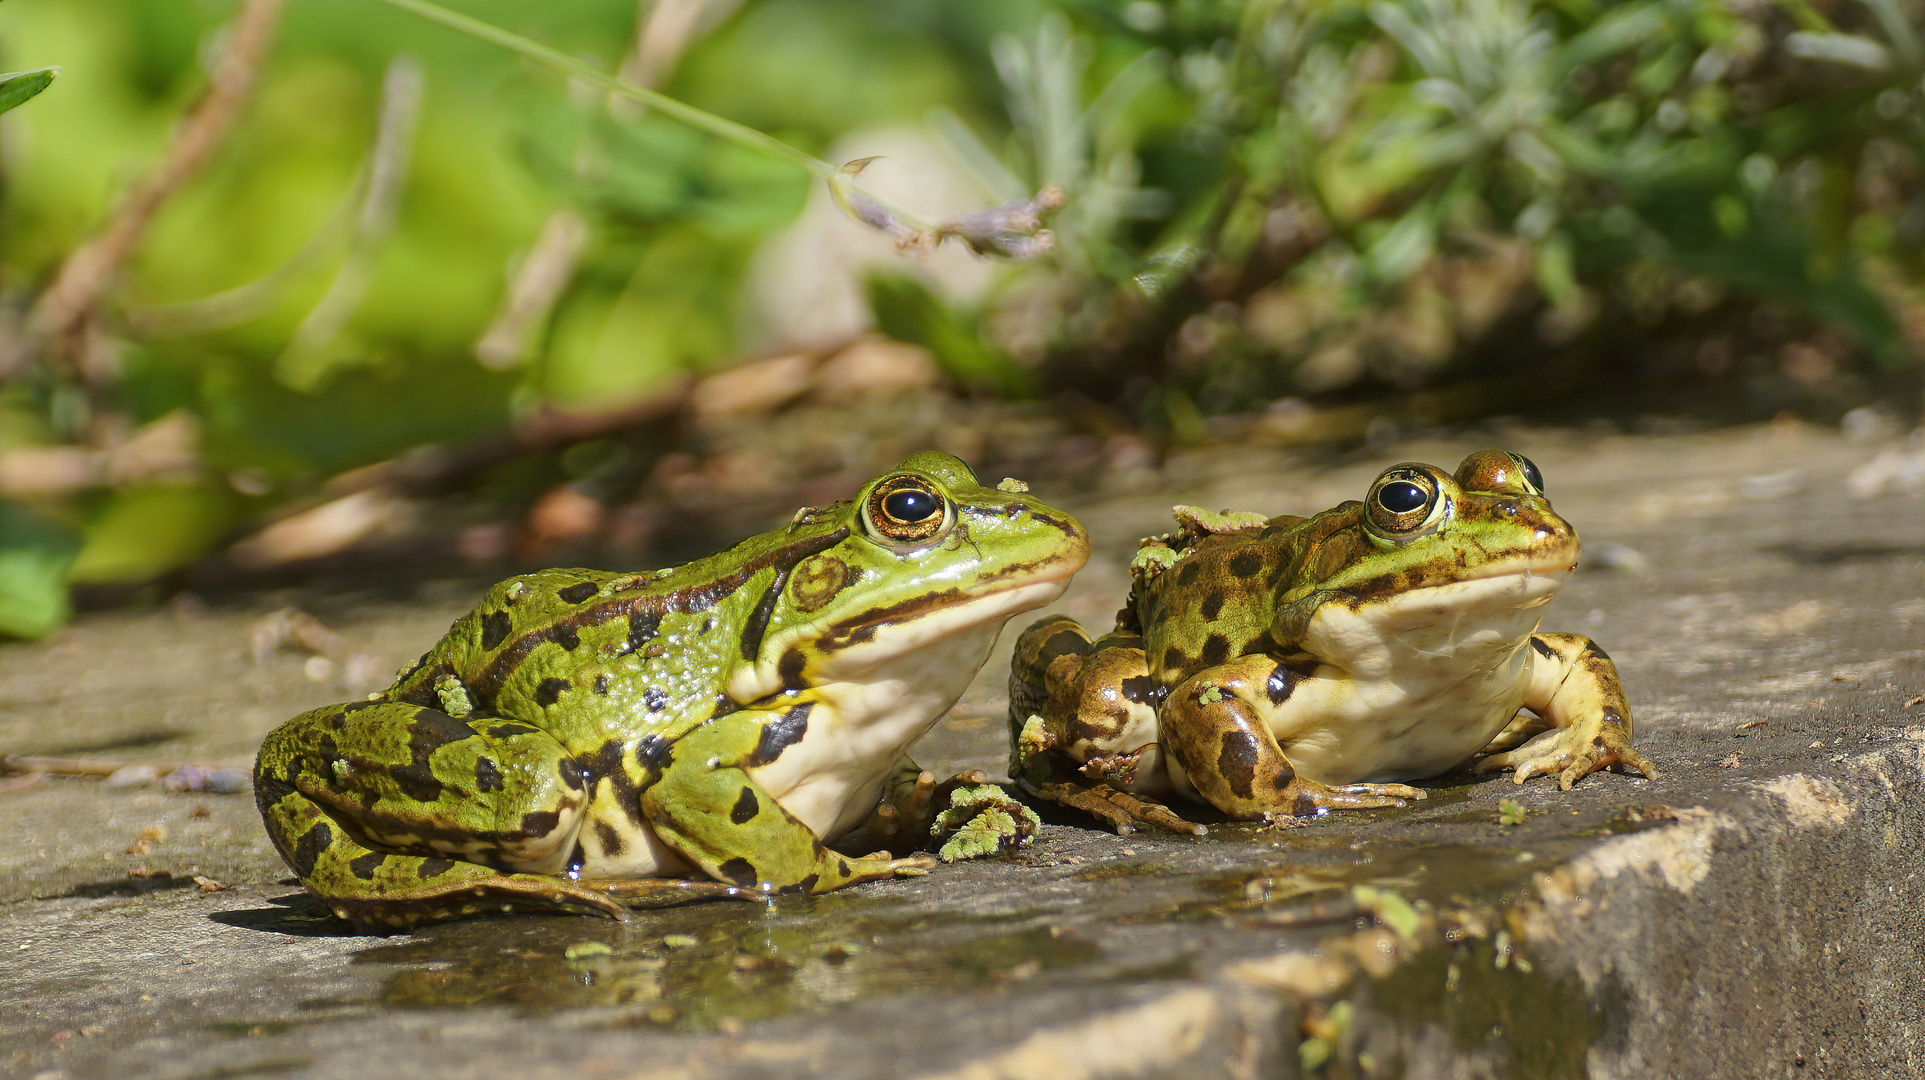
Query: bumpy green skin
x,y
591,742
1264,665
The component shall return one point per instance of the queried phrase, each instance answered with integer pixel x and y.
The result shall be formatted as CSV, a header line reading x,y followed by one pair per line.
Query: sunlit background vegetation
x,y
424,299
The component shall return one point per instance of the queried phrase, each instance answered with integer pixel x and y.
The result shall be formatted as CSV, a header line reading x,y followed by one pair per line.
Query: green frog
x,y
1283,667
596,742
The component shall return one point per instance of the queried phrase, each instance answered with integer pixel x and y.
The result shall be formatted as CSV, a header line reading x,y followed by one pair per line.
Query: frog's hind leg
x,y
1082,713
384,892
1037,649
1522,728
396,815
1232,758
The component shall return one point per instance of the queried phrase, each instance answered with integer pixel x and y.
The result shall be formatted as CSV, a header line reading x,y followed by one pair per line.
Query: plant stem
x,y
739,134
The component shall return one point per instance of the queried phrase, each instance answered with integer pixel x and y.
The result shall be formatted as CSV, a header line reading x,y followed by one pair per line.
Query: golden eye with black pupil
x,y
906,510
1403,500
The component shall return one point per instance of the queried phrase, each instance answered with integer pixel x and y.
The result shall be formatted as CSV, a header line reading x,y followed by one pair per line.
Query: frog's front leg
x,y
1083,725
397,815
1214,728
1574,687
703,801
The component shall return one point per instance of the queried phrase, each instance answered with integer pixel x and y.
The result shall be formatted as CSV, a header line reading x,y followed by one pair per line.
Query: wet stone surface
x,y
1753,912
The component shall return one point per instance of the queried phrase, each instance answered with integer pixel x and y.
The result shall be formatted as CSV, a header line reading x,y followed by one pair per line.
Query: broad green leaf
x,y
17,86
145,532
34,555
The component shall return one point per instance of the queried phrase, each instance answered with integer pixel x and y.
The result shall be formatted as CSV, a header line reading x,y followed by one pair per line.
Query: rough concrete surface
x,y
1752,913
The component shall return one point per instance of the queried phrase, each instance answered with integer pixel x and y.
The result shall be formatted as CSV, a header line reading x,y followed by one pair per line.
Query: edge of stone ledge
x,y
1625,919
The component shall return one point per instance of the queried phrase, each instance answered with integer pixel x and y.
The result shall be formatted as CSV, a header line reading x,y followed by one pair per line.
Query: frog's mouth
x,y
1505,586
855,645
882,634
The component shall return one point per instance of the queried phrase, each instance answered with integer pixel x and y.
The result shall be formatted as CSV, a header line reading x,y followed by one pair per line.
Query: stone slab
x,y
1753,912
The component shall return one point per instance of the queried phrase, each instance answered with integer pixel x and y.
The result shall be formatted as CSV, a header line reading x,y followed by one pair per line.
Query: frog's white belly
x,y
1414,685
831,779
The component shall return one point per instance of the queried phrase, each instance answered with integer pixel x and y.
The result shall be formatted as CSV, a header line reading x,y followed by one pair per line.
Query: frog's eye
x,y
1404,500
1401,497
1500,472
906,510
1531,474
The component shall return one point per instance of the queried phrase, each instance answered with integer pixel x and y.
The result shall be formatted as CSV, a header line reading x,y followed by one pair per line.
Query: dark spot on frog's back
x,y
539,823
746,807
1172,658
653,752
1543,648
1246,564
432,729
551,690
428,731
307,851
1141,690
1216,649
1062,643
495,628
737,871
642,628
1212,605
433,867
487,775
655,698
509,731
567,636
578,592
364,866
781,732
1191,570
1237,761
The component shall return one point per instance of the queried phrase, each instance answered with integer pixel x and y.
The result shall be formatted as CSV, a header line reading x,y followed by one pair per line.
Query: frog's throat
x,y
851,648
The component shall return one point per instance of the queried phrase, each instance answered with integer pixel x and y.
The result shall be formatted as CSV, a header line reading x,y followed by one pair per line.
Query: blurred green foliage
x,y
1264,198
1337,164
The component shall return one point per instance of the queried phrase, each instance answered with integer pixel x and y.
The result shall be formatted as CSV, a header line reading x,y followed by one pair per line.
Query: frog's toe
x,y
645,893
1120,810
1357,797
1544,765
913,866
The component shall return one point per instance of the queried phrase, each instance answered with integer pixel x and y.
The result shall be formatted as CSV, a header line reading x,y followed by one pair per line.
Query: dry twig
x,y
178,776
65,316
